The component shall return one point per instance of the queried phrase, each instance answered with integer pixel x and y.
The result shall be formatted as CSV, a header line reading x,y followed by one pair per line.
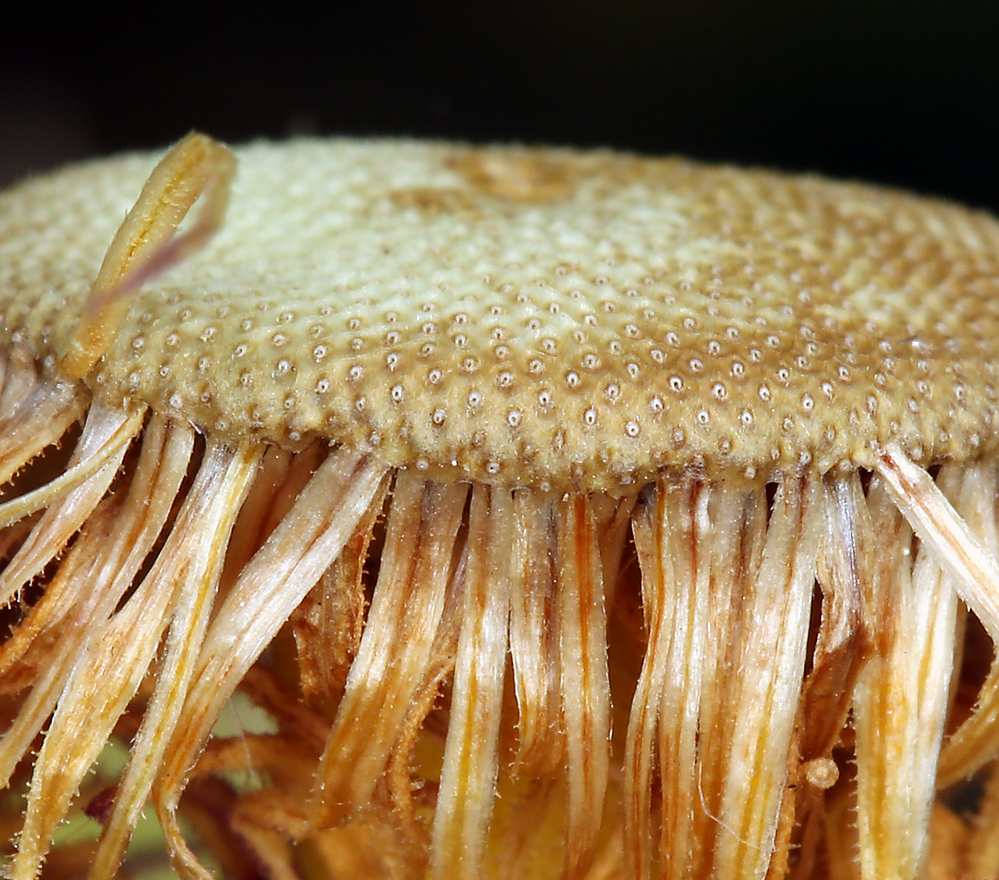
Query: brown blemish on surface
x,y
434,201
523,176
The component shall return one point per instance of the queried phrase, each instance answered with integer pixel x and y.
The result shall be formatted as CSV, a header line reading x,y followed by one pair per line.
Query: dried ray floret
x,y
554,513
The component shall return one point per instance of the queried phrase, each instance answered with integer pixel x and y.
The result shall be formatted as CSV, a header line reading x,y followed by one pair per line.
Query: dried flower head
x,y
568,514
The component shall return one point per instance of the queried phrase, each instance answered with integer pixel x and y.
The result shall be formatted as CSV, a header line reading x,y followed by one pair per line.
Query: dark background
x,y
897,92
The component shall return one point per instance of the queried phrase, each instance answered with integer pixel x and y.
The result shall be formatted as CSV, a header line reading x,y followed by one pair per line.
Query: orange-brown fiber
x,y
400,509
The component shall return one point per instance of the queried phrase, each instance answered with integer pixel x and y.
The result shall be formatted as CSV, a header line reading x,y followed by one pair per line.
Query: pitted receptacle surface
x,y
536,316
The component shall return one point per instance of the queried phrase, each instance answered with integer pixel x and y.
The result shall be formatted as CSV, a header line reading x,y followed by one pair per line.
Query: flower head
x,y
566,513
